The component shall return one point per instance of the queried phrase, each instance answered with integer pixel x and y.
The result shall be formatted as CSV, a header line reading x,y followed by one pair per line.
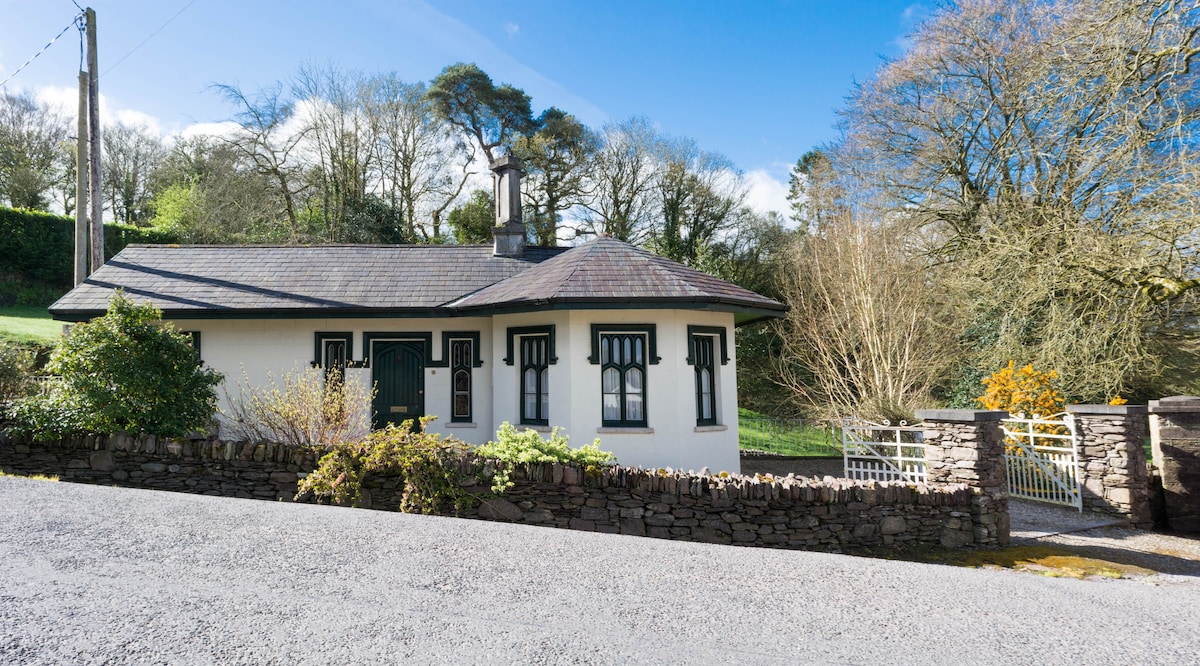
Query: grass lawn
x,y
26,324
789,437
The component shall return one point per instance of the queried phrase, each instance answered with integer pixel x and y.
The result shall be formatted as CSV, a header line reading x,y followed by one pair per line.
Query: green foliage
x,y
491,115
472,222
526,447
425,464
16,366
124,372
41,246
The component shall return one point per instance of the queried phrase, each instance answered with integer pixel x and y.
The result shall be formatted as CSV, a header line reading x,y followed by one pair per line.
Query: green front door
x,y
398,370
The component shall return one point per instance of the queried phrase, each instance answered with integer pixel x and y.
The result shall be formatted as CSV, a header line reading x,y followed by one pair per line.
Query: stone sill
x,y
536,428
712,428
625,431
460,424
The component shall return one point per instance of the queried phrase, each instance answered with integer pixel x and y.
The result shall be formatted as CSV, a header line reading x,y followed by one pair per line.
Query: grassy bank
x,y
28,325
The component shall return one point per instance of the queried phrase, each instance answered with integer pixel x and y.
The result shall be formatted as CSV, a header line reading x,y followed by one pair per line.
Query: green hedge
x,y
41,246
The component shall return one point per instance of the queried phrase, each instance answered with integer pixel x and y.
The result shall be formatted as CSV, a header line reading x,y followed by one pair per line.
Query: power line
x,y
143,42
34,56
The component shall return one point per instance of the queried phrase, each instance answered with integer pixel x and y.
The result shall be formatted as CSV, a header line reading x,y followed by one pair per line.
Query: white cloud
x,y
132,118
224,129
766,193
65,101
511,29
62,99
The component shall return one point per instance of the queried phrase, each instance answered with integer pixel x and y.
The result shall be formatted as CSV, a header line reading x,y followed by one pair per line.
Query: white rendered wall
x,y
672,438
275,347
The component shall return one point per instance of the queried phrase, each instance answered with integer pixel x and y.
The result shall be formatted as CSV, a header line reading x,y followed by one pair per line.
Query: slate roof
x,y
608,271
210,281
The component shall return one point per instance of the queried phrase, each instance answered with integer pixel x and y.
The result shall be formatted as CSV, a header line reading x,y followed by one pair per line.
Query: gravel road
x,y
91,574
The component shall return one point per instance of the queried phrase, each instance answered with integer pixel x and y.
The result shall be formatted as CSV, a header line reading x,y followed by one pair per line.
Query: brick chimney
x,y
509,231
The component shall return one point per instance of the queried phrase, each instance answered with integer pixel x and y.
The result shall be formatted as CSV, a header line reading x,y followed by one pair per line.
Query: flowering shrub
x,y
1022,390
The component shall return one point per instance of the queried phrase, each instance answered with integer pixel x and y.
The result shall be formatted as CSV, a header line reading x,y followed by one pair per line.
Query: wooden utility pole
x,y
97,196
81,179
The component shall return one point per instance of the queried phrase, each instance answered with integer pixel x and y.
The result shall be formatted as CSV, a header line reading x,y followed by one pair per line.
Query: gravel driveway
x,y
91,574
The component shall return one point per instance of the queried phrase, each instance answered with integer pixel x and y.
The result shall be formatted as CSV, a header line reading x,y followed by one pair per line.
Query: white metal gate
x,y
883,452
1041,456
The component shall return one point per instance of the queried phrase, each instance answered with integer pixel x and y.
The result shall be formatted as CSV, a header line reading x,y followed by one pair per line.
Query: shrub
x,y
127,371
517,447
426,465
1022,390
527,446
304,412
16,368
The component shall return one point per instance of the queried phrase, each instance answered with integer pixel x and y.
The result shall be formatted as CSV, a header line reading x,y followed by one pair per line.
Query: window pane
x,y
462,405
604,355
633,380
545,397
705,381
637,350
612,381
633,408
530,406
530,381
627,354
462,381
612,407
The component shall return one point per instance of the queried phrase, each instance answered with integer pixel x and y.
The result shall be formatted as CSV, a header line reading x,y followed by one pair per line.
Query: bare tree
x,y
131,153
423,163
698,193
868,333
339,137
31,136
624,172
1047,145
267,139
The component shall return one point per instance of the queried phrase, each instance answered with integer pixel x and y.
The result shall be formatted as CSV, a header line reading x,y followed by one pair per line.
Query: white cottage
x,y
603,340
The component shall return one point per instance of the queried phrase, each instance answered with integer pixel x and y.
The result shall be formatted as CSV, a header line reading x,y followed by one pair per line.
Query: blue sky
x,y
756,81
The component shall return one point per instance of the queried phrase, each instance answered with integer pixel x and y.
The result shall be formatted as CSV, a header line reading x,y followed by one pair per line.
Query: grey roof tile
x,y
201,280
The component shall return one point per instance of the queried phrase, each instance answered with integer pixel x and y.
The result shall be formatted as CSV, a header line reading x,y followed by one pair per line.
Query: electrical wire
x,y
143,42
34,56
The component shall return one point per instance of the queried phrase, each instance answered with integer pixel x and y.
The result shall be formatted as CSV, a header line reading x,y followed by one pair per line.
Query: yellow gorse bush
x,y
1022,390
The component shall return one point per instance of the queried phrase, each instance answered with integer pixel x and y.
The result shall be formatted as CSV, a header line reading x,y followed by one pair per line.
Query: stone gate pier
x,y
1175,444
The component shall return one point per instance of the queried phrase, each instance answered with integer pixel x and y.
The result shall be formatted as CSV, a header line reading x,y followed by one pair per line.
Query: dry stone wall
x,y
965,446
1112,461
791,512
202,466
1175,439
